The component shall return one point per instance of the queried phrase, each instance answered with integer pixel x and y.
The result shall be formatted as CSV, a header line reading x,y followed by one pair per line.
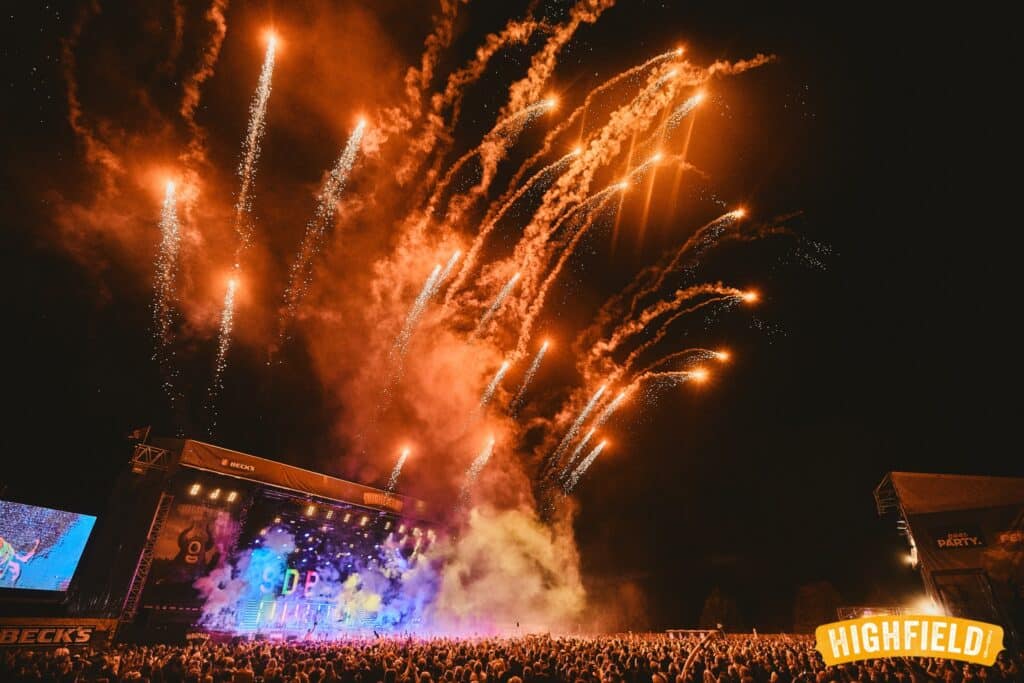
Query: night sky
x,y
876,126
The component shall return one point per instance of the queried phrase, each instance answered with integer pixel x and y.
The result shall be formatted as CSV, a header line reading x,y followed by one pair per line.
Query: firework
x,y
251,151
581,110
477,466
490,223
163,289
401,344
301,272
682,111
220,363
493,308
393,480
574,428
531,372
445,272
577,451
574,478
493,385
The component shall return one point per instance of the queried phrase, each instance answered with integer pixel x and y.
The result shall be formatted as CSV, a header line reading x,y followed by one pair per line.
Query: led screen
x,y
39,547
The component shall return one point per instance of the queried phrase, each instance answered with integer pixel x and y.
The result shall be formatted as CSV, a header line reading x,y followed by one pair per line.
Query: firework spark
x,y
251,147
415,313
477,466
220,363
574,428
493,385
577,451
445,272
301,272
574,478
682,111
531,372
393,480
491,222
500,299
163,288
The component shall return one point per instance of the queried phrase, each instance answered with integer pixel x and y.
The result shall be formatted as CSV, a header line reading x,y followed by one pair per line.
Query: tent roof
x,y
922,493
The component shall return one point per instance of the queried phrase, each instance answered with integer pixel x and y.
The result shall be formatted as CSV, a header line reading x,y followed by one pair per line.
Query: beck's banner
x,y
909,635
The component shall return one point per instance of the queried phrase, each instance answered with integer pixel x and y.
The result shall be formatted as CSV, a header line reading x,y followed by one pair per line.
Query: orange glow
x,y
170,186
546,344
751,296
680,50
699,375
623,185
577,150
270,35
723,355
739,212
551,102
699,96
656,157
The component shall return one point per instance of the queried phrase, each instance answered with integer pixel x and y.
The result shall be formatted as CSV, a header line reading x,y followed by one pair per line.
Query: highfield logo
x,y
235,465
911,635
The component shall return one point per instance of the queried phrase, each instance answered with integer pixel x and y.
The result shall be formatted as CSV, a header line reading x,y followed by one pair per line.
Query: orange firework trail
x,y
706,237
682,111
220,363
577,451
397,471
477,466
635,325
494,384
251,152
491,223
301,271
490,150
401,345
574,428
531,372
557,131
445,272
692,355
543,63
574,478
541,296
163,290
664,328
493,308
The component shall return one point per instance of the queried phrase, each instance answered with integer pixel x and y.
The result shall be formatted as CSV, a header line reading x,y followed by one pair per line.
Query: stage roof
x,y
224,461
922,493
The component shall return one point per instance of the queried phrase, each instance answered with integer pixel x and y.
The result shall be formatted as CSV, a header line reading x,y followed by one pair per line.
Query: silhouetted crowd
x,y
652,658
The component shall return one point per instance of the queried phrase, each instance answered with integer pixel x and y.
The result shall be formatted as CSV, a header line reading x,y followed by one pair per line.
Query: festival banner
x,y
909,635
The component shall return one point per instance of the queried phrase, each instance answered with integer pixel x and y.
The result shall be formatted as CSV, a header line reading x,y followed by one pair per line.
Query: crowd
x,y
651,658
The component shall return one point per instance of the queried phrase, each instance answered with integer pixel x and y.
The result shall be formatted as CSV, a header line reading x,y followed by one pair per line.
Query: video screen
x,y
39,547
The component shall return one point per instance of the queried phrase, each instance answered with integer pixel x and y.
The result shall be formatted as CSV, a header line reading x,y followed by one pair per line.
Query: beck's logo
x,y
58,635
235,465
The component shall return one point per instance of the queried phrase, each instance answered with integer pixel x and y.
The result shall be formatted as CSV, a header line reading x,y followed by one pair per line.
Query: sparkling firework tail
x,y
692,355
301,271
517,402
574,428
492,223
416,312
664,328
576,452
493,308
163,293
681,112
393,480
493,385
474,472
251,153
227,324
696,246
574,478
565,125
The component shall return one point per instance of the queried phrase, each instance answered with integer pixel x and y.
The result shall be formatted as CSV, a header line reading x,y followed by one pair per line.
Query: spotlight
x,y
193,490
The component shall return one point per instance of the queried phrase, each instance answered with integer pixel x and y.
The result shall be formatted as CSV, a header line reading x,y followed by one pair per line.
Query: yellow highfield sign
x,y
909,635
